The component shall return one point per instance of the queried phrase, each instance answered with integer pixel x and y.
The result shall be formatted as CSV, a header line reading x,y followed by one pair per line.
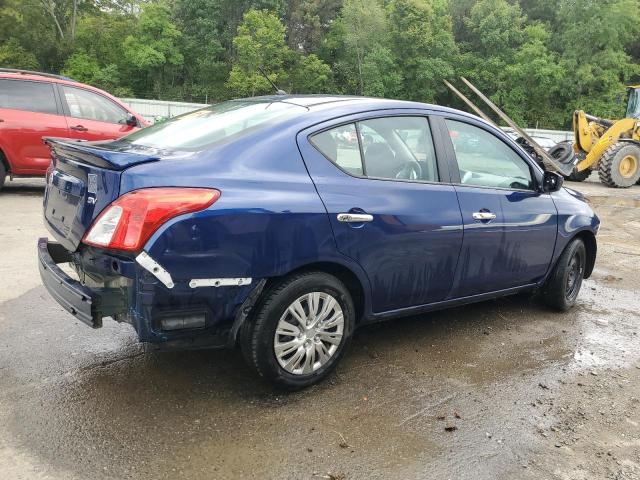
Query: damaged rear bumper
x,y
89,305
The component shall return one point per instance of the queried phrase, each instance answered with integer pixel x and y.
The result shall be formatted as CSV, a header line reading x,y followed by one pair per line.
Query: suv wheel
x,y
300,330
3,172
563,286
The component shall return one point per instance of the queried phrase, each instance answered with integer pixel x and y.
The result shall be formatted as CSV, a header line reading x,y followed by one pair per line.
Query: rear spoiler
x,y
91,153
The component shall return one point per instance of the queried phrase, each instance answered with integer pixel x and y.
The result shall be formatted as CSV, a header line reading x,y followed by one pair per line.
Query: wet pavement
x,y
504,389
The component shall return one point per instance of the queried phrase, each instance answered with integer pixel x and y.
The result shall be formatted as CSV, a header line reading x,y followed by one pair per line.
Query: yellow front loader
x,y
610,146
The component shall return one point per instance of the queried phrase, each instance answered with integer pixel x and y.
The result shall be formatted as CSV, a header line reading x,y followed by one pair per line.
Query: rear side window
x,y
396,148
91,106
27,96
340,145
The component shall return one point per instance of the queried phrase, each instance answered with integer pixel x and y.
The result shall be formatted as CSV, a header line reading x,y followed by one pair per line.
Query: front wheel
x,y
300,330
563,286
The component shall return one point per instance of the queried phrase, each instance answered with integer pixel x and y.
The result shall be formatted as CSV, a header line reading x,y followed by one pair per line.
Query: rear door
x,y
510,227
92,116
29,110
389,204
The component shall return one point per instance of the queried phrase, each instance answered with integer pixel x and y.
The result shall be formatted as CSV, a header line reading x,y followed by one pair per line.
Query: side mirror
x,y
131,120
551,182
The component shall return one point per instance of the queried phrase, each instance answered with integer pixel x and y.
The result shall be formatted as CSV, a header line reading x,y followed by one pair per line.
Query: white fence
x,y
152,109
555,135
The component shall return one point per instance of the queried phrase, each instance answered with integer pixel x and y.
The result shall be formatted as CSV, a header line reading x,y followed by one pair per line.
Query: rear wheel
x,y
563,286
300,330
620,165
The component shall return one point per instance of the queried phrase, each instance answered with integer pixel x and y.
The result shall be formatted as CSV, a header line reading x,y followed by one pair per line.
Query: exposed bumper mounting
x,y
86,304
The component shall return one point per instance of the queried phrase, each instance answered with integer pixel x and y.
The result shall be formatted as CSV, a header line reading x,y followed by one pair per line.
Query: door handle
x,y
484,216
79,128
355,217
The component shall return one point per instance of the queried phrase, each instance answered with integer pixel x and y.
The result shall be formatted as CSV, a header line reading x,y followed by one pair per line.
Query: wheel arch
x,y
5,161
345,275
589,240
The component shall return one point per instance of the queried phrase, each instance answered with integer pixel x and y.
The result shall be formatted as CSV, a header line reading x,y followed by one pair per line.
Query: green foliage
x,y
538,59
260,47
13,55
422,33
311,75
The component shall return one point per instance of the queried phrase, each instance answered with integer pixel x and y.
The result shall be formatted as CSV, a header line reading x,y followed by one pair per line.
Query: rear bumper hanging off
x,y
88,305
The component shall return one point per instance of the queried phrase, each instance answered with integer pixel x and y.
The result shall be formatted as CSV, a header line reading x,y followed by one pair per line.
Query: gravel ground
x,y
504,389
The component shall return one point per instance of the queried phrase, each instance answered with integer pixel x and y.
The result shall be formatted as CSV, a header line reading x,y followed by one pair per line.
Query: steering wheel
x,y
410,171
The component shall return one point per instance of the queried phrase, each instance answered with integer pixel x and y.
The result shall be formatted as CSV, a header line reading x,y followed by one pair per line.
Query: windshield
x,y
633,104
208,126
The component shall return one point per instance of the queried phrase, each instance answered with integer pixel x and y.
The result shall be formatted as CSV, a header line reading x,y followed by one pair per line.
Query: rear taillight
x,y
128,222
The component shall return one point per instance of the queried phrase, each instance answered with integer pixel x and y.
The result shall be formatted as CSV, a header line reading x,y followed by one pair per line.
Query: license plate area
x,y
64,202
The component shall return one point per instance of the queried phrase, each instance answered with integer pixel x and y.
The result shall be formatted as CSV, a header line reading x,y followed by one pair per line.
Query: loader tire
x,y
577,176
563,152
619,166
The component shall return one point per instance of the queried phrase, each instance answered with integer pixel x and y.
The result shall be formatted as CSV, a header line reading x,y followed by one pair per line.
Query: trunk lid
x,y
82,180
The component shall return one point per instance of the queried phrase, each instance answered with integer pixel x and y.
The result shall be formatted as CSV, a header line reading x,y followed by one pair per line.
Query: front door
x,y
380,182
92,116
509,226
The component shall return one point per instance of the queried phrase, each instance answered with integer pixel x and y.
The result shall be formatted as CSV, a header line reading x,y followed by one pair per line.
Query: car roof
x,y
317,102
25,75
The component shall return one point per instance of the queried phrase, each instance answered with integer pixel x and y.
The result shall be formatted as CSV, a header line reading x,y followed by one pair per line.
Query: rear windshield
x,y
211,125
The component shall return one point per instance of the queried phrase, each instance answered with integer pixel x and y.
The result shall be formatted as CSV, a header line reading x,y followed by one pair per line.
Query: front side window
x,y
28,96
397,148
91,106
486,161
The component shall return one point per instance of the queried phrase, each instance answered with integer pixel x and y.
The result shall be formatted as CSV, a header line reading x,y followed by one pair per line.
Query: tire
x,y
577,176
563,152
619,166
562,287
3,172
299,363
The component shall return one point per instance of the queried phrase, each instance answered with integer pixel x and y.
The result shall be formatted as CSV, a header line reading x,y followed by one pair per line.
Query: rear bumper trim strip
x,y
155,269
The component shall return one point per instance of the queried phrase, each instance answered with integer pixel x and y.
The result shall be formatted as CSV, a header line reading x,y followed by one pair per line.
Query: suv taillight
x,y
130,221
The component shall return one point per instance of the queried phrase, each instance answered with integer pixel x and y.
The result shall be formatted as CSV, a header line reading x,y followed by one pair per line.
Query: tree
x,y
260,50
308,21
533,82
310,75
422,35
362,27
13,55
593,41
153,50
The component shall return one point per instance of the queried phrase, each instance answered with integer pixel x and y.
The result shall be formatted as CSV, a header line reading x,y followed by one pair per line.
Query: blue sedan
x,y
283,223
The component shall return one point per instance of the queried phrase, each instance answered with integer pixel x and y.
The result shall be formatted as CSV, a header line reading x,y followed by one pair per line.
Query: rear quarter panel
x,y
268,221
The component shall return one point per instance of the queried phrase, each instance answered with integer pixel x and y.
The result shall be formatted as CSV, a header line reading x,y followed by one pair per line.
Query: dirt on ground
x,y
505,389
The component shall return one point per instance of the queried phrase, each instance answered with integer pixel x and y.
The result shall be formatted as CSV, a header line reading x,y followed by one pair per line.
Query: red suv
x,y
35,105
